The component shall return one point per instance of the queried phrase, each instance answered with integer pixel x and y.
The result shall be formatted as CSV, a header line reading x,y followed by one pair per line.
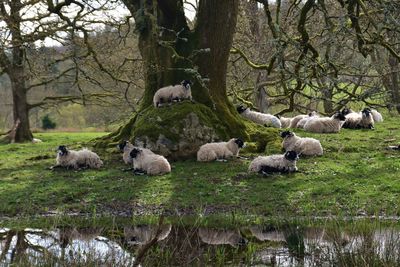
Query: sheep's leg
x,y
138,172
55,167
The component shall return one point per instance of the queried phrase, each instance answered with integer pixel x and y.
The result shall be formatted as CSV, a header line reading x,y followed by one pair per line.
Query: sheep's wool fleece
x,y
83,157
376,115
323,125
170,92
296,119
274,161
303,145
221,150
285,122
262,118
152,164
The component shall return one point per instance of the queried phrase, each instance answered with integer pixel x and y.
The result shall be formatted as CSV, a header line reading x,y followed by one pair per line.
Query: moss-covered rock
x,y
177,131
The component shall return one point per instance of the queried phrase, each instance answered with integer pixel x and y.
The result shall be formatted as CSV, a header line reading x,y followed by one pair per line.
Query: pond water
x,y
179,245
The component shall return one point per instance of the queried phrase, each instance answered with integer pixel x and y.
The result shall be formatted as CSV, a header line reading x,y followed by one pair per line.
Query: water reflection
x,y
180,245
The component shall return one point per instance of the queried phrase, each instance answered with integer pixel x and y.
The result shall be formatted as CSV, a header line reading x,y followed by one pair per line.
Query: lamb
x,y
77,159
285,122
173,93
221,150
304,146
302,122
326,125
362,119
275,163
259,118
152,164
295,120
376,115
126,147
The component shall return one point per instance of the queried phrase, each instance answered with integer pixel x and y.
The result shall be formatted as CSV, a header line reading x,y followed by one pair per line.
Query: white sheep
x,y
295,120
152,164
259,118
302,145
311,116
325,125
285,122
126,147
376,115
275,163
36,141
77,159
220,150
173,93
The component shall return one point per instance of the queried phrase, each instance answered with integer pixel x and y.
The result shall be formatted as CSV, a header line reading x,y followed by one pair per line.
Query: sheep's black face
x,y
312,113
239,142
366,112
339,116
346,111
62,150
135,152
286,134
240,109
291,155
186,84
122,145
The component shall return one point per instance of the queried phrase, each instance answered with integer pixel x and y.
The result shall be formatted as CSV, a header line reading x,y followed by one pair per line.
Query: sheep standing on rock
x,y
275,163
152,164
221,150
171,93
77,159
259,118
325,125
304,146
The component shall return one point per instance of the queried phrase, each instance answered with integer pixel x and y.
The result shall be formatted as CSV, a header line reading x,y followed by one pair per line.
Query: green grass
x,y
356,176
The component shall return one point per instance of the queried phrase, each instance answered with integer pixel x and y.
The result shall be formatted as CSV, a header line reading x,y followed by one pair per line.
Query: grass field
x,y
356,176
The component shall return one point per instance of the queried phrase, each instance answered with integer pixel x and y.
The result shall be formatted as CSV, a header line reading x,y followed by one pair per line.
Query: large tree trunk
x,y
171,53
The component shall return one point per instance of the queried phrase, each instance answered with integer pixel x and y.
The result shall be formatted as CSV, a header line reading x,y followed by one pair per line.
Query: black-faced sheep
x,y
275,163
285,122
220,150
356,120
77,159
304,146
259,118
171,93
311,116
152,164
325,125
126,147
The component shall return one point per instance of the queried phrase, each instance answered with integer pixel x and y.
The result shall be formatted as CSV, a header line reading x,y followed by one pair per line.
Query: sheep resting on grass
x,y
83,158
302,145
220,151
259,118
325,125
152,164
275,163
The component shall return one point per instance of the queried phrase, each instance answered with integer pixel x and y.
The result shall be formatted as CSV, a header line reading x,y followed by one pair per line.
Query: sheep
x,y
358,120
275,163
296,119
77,159
304,146
346,111
221,237
173,93
126,147
259,118
221,150
376,115
152,164
325,125
302,122
285,122
36,141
